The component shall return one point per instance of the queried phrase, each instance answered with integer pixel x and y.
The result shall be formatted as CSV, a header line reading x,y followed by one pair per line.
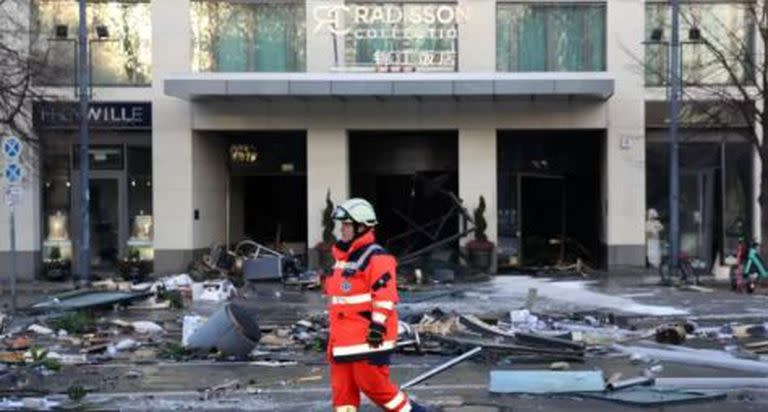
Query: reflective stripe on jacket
x,y
362,289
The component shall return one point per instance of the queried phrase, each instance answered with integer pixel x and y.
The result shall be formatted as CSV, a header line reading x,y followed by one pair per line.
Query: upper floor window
x,y
716,43
401,36
119,42
235,36
550,37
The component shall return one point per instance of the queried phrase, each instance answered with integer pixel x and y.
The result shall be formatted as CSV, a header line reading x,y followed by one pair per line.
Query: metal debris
x,y
87,300
231,331
441,368
546,382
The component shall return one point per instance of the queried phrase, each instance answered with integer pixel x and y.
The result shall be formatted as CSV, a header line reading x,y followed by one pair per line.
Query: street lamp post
x,y
674,145
85,217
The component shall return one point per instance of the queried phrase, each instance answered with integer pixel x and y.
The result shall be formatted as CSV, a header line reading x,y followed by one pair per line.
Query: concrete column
x,y
477,36
171,138
624,171
477,174
15,16
209,190
327,168
320,41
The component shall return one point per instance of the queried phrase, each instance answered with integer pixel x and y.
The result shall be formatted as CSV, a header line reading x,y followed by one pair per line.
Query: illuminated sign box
x,y
407,36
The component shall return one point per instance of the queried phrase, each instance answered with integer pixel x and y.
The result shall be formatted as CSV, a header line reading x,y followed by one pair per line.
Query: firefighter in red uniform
x,y
363,321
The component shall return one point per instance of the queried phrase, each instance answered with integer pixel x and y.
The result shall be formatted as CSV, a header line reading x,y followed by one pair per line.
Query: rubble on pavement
x,y
185,319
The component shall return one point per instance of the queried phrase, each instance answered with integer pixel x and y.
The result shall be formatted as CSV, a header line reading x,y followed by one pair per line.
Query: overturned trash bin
x,y
231,331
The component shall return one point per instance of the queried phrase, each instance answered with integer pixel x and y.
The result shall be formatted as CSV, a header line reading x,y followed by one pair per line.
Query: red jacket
x,y
362,289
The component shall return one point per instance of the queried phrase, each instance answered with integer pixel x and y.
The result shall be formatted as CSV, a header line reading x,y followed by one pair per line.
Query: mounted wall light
x,y
657,34
694,34
102,31
62,31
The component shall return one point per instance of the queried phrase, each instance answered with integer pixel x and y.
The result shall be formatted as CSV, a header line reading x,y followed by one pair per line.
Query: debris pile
x,y
185,321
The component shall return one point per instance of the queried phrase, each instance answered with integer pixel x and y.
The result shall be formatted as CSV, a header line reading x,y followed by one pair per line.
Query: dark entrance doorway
x,y
405,174
549,192
268,189
275,208
542,211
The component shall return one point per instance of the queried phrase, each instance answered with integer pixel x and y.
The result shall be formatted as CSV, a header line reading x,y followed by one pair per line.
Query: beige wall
x,y
327,169
476,53
320,56
624,172
171,134
209,190
477,174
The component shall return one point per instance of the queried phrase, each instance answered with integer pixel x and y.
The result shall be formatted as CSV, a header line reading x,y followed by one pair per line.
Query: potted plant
x,y
132,267
56,268
323,248
480,249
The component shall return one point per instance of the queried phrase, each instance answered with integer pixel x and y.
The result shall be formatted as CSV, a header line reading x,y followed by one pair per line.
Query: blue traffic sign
x,y
12,147
13,173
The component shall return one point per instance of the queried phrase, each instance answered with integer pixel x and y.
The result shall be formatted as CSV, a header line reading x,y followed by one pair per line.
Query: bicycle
x,y
749,268
684,269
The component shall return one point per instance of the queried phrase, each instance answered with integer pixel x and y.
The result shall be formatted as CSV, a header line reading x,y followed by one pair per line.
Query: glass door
x,y
697,214
108,224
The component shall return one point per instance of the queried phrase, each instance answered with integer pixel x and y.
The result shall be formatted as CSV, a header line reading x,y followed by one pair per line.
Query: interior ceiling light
x,y
243,154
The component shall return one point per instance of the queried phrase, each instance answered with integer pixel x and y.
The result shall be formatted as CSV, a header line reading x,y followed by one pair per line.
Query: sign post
x,y
13,173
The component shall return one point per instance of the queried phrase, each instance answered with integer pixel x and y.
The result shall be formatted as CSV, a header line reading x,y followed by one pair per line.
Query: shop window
x,y
715,203
140,220
119,42
550,37
100,157
419,36
57,244
230,36
709,33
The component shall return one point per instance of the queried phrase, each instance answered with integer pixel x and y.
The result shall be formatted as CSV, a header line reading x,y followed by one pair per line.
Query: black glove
x,y
376,332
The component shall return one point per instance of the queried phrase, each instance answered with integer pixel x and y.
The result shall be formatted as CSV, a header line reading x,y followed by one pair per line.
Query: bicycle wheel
x,y
665,272
733,273
688,273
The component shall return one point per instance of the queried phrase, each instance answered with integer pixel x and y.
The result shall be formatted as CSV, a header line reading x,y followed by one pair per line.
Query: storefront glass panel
x,y
140,220
121,222
715,195
120,42
550,37
716,43
229,36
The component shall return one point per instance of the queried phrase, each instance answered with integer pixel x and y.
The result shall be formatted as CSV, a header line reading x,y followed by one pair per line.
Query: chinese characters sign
x,y
381,35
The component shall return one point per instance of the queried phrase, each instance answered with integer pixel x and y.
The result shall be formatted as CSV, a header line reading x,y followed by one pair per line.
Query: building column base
x,y
28,264
169,261
626,255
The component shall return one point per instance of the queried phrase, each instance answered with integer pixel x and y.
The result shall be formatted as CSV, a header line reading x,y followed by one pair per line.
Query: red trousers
x,y
349,379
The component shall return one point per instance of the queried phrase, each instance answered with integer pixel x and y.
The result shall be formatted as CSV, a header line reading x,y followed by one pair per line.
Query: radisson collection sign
x,y
392,23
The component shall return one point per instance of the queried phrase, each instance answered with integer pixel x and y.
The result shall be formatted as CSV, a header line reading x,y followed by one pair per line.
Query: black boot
x,y
415,407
